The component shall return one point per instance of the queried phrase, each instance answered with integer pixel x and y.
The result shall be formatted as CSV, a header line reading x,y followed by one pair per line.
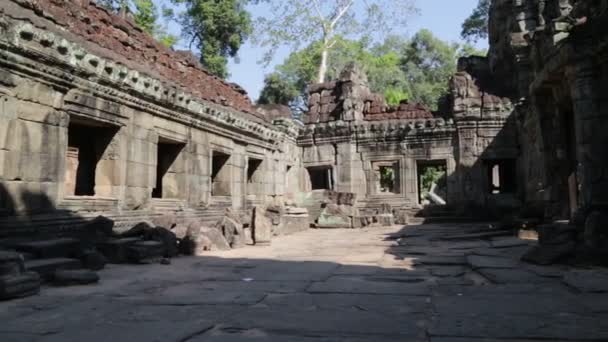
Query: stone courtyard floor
x,y
439,283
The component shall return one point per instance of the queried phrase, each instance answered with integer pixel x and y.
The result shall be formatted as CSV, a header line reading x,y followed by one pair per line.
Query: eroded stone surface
x,y
318,285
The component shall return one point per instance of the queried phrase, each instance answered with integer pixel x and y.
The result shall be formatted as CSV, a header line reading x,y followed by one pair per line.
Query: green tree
x,y
475,27
217,28
146,16
325,22
416,69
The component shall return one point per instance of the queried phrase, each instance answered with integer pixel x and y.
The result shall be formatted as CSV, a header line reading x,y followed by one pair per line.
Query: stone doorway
x,y
321,177
87,144
167,170
432,182
221,175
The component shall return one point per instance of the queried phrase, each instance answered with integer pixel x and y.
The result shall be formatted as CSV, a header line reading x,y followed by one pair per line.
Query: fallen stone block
x,y
261,228
55,248
385,220
116,249
588,280
74,277
145,251
46,268
549,254
11,263
93,260
19,286
294,223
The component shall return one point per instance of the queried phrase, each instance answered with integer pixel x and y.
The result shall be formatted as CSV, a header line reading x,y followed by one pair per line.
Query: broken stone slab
x,y
508,242
210,239
511,276
54,248
261,227
93,260
549,254
588,280
476,236
441,260
47,267
11,263
295,223
74,277
334,221
98,229
249,236
19,286
477,261
385,220
232,229
115,250
145,251
146,231
448,271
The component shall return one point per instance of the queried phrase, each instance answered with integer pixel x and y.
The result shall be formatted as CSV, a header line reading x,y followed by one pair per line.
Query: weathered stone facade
x,y
552,58
97,117
352,135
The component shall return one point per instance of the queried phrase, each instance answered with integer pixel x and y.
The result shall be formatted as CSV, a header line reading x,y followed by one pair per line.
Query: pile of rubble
x,y
73,260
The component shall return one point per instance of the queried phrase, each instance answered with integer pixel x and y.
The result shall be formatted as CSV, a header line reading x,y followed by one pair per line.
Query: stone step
x,y
54,248
46,268
19,286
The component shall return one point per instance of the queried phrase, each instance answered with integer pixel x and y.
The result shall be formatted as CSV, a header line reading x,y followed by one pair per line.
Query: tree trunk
x,y
323,66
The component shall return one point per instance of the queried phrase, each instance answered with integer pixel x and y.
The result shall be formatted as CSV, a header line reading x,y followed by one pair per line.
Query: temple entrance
x,y
321,177
167,175
221,175
87,143
432,182
387,178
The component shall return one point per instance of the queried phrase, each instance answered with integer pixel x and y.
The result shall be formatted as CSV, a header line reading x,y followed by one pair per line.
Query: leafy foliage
x,y
325,22
475,27
431,175
217,28
416,69
146,15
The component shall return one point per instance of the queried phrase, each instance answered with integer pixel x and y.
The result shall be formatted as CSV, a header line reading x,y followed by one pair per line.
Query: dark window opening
x,y
387,177
254,176
502,176
220,174
321,178
166,178
253,165
87,144
432,182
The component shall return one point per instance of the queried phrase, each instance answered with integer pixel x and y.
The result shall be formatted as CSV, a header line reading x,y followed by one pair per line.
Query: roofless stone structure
x,y
97,118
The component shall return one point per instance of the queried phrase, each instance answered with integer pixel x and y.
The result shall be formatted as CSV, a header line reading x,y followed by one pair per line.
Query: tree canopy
x,y
324,22
216,28
417,69
475,27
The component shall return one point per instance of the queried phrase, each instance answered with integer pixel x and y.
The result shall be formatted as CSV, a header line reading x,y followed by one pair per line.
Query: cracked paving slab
x,y
376,284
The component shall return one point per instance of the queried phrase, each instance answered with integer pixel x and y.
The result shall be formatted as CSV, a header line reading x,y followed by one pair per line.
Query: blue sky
x,y
442,17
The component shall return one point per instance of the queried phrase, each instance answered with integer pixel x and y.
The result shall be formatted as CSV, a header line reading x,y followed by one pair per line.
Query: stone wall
x,y
97,117
351,132
554,52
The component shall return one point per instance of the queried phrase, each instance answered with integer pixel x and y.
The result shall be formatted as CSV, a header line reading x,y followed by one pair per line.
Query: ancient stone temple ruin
x,y
108,137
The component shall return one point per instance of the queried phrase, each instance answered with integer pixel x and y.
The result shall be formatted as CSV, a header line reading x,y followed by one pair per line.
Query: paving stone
x,y
588,280
478,261
510,276
74,277
441,260
343,284
508,242
517,326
